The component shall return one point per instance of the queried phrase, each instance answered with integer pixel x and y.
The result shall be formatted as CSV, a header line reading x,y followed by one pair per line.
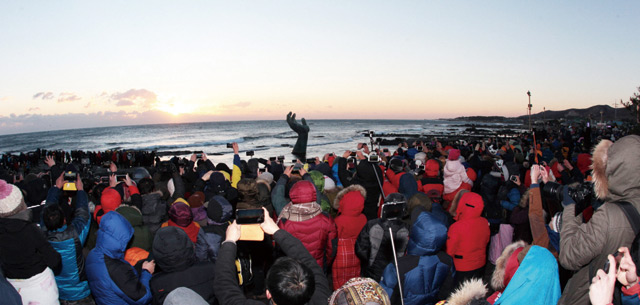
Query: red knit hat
x,y
110,200
431,168
454,154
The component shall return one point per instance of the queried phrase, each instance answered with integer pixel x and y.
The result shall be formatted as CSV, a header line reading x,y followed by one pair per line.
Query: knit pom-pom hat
x,y
11,200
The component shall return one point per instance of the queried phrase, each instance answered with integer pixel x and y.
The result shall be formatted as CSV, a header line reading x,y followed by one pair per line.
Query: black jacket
x,y
369,176
176,262
24,251
226,283
373,246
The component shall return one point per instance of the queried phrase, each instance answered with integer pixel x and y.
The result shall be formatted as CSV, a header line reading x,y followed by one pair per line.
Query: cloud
x,y
44,95
34,109
122,103
87,105
142,97
68,97
5,99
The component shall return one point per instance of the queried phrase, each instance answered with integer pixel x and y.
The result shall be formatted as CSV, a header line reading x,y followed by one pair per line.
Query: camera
x,y
581,194
280,158
353,154
272,159
199,155
85,161
311,160
69,181
229,145
250,153
373,157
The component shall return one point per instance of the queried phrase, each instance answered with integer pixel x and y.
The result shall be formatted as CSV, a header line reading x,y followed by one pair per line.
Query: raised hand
x,y
49,161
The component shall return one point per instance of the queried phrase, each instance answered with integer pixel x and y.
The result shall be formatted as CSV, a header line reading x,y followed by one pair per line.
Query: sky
x,y
74,64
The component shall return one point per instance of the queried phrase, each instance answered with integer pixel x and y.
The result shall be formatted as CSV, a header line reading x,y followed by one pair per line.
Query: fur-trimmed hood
x,y
471,290
497,279
615,170
350,200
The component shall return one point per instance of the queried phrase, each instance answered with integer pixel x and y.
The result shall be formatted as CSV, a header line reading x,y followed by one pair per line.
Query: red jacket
x,y
349,223
304,219
468,237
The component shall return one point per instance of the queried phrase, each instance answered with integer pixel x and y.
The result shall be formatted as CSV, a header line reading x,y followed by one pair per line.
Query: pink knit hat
x,y
11,200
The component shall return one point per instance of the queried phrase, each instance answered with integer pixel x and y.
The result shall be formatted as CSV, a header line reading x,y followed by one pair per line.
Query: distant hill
x,y
608,114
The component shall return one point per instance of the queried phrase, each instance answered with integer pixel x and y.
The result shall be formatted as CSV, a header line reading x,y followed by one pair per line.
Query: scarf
x,y
300,211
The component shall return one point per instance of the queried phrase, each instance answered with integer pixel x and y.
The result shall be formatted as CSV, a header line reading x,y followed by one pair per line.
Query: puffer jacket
x,y
368,175
425,268
321,198
68,241
468,237
177,267
141,235
373,245
304,219
154,211
112,279
584,246
349,222
220,213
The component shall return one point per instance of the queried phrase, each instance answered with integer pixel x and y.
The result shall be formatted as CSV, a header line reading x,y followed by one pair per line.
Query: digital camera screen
x,y
249,216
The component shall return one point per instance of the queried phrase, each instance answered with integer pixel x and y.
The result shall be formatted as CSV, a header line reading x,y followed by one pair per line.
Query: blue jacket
x,y
535,282
112,279
513,199
425,270
68,241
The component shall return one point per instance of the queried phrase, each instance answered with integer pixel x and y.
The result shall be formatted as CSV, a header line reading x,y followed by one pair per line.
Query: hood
x,y
367,172
217,183
469,291
132,214
325,169
419,199
428,235
535,281
350,201
432,168
12,225
114,235
469,206
173,250
318,180
498,279
615,170
110,200
219,209
302,191
407,185
181,214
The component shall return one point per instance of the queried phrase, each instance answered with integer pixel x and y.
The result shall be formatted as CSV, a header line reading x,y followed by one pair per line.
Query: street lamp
x,y
529,94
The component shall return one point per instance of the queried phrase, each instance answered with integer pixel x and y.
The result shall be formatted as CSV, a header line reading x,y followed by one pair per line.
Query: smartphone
x,y
262,170
121,177
250,153
311,160
353,154
199,155
513,178
249,216
297,167
229,145
617,256
280,158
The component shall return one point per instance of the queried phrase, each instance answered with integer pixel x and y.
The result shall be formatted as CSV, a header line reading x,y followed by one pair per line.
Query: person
x,y
426,272
360,291
349,202
68,240
368,175
373,245
304,219
220,213
468,237
175,258
294,279
28,261
603,283
584,246
112,279
181,216
455,176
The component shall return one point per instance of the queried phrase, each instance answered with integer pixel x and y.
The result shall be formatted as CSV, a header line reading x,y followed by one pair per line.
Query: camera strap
x,y
632,215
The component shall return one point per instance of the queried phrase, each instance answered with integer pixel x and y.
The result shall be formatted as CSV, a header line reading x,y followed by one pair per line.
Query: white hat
x,y
171,187
11,200
266,176
329,184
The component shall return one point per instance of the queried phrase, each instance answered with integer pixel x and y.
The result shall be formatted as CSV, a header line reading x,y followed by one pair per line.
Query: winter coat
x,y
369,176
141,236
425,268
25,252
220,212
180,216
454,176
154,211
584,246
176,264
322,199
349,223
111,278
535,282
304,219
373,245
68,241
229,293
468,237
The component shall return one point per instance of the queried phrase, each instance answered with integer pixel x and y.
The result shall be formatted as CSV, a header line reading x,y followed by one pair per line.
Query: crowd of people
x,y
545,218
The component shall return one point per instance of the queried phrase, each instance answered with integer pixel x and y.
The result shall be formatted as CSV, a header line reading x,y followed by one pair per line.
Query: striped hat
x,y
11,200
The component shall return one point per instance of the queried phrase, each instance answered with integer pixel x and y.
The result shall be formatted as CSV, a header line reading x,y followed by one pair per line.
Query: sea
x,y
265,138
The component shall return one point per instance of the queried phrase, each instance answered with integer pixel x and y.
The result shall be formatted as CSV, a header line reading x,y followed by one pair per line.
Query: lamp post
x,y
529,107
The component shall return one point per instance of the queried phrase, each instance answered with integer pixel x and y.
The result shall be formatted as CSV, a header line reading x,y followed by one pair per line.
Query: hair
x,y
53,217
248,190
290,282
146,186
